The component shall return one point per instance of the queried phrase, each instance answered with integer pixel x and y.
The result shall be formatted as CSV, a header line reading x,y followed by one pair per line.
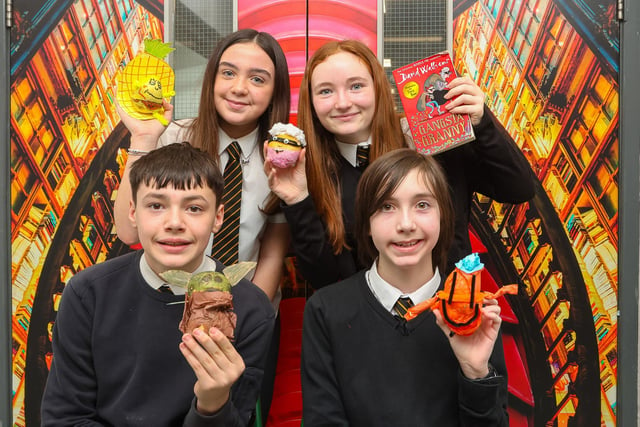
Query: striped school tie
x,y
362,156
402,305
225,241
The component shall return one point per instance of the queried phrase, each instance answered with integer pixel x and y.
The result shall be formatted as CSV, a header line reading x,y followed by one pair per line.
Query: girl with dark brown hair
x,y
245,90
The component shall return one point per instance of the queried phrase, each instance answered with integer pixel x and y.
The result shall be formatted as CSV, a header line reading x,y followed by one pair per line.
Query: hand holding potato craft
x,y
146,81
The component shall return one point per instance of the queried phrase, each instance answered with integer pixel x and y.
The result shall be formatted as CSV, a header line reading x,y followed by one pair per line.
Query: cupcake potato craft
x,y
284,145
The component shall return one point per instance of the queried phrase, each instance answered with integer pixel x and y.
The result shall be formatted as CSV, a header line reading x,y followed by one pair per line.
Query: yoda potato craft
x,y
208,300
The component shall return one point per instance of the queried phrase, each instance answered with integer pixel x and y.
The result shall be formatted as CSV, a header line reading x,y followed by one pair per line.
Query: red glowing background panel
x,y
300,31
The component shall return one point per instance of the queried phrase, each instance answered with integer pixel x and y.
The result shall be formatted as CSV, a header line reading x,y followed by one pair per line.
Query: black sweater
x,y
116,359
363,367
491,165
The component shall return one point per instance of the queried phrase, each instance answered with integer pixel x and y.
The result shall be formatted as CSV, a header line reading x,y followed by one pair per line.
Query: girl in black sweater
x,y
345,104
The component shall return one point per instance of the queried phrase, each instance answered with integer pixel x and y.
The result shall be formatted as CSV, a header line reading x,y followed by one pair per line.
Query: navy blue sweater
x,y
363,367
116,359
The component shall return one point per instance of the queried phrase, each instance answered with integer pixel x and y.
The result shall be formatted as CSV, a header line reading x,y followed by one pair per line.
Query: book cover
x,y
421,86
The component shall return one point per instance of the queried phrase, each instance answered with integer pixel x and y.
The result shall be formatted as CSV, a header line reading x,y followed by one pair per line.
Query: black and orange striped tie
x,y
402,305
225,241
362,156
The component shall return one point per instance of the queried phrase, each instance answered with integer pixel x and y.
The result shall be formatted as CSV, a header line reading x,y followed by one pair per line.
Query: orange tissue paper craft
x,y
146,81
461,300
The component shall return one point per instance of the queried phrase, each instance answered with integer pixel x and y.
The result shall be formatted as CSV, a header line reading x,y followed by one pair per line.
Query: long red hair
x,y
322,155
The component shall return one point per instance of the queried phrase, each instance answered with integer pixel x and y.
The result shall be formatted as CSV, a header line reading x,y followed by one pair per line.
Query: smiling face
x,y
405,229
243,87
174,225
148,91
344,97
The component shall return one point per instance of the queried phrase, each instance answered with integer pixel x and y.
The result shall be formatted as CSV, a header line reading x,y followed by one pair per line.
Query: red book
x,y
421,86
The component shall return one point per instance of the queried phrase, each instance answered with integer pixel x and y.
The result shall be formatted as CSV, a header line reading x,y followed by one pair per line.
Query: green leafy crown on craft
x,y
157,48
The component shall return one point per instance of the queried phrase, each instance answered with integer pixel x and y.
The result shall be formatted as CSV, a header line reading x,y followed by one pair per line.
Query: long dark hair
x,y
203,132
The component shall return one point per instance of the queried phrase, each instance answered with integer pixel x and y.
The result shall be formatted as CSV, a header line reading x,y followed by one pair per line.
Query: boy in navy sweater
x,y
118,356
362,363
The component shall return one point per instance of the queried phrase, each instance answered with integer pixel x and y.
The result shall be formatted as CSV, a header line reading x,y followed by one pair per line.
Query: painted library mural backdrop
x,y
66,161
550,71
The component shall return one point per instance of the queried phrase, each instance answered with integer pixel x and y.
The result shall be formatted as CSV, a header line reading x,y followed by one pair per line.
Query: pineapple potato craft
x,y
284,145
146,81
208,300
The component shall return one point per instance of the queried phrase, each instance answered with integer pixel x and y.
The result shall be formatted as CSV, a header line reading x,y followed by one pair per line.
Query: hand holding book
x,y
438,114
466,98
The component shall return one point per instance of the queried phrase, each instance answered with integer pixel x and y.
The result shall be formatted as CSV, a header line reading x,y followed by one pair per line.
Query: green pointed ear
x,y
236,272
176,277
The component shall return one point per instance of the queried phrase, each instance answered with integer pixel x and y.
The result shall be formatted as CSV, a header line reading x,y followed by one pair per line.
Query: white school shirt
x,y
255,187
349,151
156,281
387,294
